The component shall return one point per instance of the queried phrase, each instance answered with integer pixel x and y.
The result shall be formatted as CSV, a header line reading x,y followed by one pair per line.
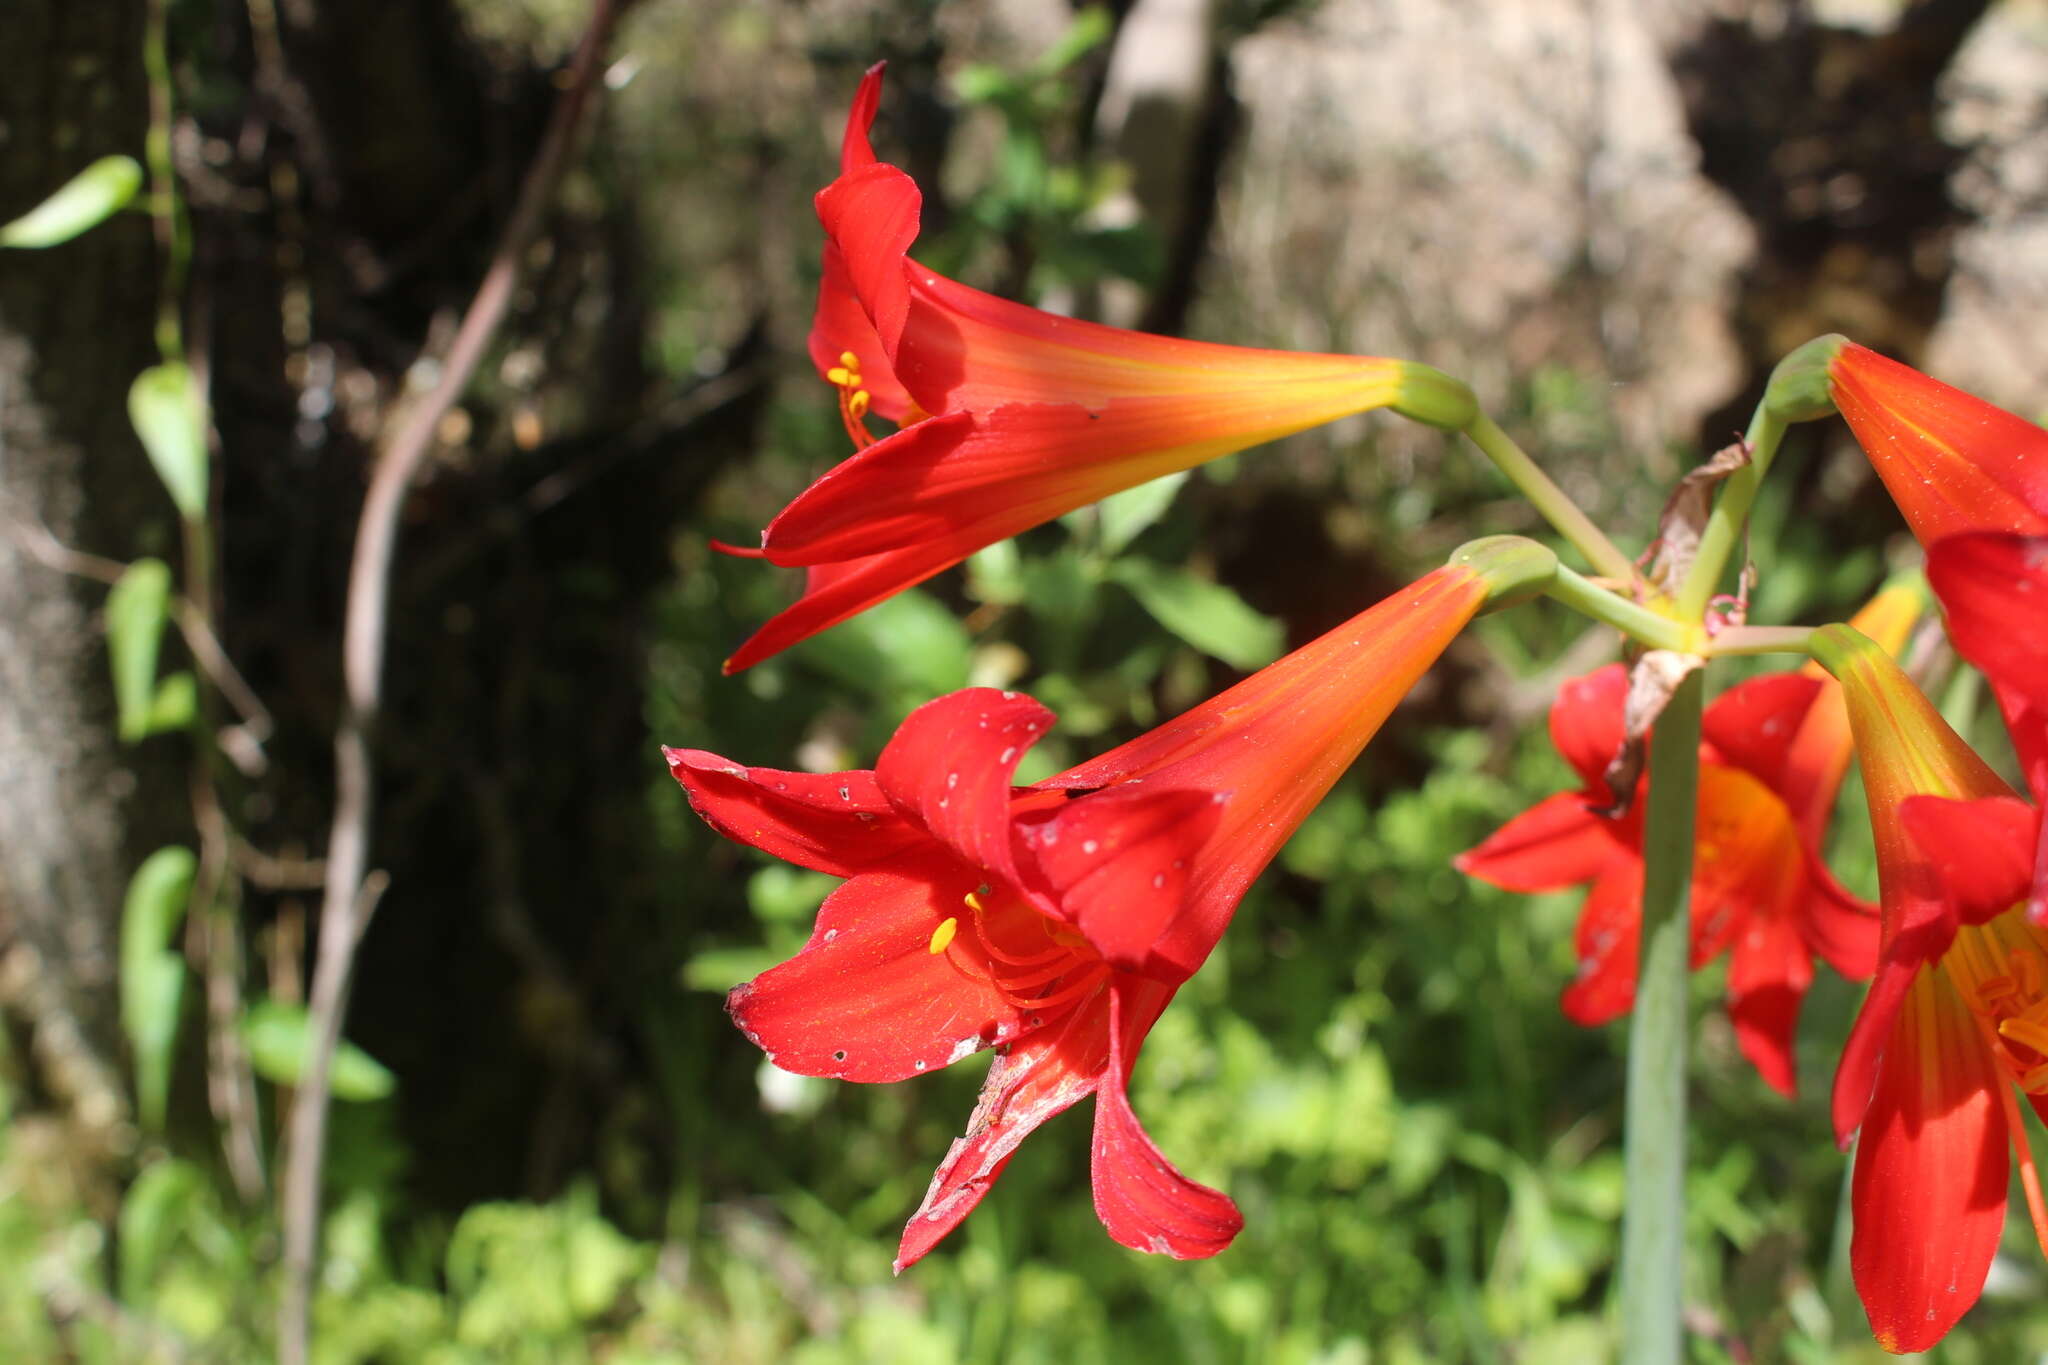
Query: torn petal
x,y
1039,1076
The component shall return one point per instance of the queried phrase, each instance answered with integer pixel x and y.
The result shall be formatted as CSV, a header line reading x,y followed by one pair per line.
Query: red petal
x,y
831,822
1278,740
1587,727
1609,932
1982,850
867,999
1994,589
1752,724
1145,1202
1839,928
1746,857
854,151
1555,843
2026,721
833,592
870,214
839,326
948,768
1924,933
1034,1080
1768,973
1020,464
1951,461
1929,1187
1114,864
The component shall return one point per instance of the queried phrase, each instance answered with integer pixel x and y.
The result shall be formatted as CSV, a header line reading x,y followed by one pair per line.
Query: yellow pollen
x,y
973,902
849,360
943,935
2027,1030
858,404
842,377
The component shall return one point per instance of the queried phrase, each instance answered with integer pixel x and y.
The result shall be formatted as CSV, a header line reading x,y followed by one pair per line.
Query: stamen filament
x,y
2030,1175
1087,985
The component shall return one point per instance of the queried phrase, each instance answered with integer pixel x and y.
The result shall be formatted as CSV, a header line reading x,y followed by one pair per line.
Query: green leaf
x,y
152,993
155,903
164,406
86,200
153,1212
279,1035
1127,515
908,644
785,893
984,84
137,608
1206,615
1090,29
175,703
995,574
720,969
152,982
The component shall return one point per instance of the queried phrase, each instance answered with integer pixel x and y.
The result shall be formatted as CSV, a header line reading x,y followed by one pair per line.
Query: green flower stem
x,y
1515,568
1550,500
1653,1217
1630,618
1731,513
1760,640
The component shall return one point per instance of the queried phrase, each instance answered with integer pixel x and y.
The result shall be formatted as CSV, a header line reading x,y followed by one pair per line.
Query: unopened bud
x,y
1428,395
1800,390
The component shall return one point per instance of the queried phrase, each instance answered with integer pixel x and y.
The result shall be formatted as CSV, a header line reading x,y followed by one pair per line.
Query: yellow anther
x,y
973,902
2028,1033
840,376
858,404
943,935
850,361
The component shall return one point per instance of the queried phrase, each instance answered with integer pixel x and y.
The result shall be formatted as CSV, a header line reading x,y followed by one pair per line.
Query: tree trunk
x,y
75,325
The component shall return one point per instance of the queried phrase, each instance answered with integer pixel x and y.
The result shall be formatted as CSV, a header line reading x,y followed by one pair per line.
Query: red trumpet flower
x,y
1956,1018
1972,481
1010,415
1054,922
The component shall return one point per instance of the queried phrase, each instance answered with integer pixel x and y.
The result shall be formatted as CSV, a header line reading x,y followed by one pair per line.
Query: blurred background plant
x,y
549,1144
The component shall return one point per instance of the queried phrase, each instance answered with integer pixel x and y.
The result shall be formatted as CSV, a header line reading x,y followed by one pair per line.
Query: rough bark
x,y
74,331
1827,139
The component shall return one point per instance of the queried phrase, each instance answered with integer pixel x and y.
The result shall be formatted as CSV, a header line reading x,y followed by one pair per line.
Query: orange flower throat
x,y
2000,969
1036,980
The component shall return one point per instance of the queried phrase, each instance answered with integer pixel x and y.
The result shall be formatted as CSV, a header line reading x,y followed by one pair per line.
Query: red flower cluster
x,y
1772,763
1054,922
